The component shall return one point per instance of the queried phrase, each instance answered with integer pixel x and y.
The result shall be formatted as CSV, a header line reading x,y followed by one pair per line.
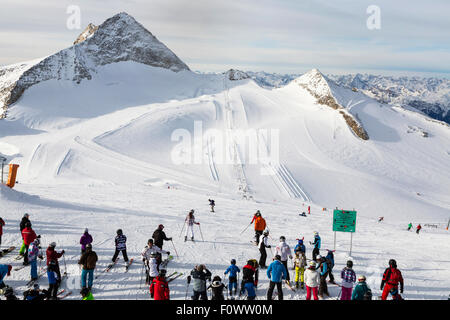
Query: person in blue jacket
x,y
330,260
316,244
300,247
5,270
323,271
232,278
276,272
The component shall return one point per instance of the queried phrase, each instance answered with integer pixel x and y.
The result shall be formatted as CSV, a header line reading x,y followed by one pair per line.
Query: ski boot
x,y
192,238
296,284
185,239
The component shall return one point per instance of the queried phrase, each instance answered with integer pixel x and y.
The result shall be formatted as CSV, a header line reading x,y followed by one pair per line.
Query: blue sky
x,y
284,36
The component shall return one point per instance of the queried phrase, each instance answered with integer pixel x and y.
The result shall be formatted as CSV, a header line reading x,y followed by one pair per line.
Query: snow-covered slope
x,y
140,144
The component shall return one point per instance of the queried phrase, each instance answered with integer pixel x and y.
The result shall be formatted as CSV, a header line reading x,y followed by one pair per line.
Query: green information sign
x,y
344,220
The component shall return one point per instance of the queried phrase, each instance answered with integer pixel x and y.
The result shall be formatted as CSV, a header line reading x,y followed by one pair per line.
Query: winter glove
x,y
168,253
170,239
269,246
40,257
63,252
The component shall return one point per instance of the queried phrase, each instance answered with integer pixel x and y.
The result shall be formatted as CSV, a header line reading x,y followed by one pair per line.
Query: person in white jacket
x,y
152,254
312,280
190,221
284,251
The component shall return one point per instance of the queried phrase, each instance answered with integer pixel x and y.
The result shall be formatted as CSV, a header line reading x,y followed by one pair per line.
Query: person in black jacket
x,y
217,288
159,236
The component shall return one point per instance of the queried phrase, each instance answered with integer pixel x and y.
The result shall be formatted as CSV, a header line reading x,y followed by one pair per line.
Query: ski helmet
x,y
258,213
89,246
119,232
192,211
86,230
162,272
161,227
199,267
393,263
283,238
278,257
26,215
53,244
349,264
312,264
318,257
361,278
316,233
36,286
233,261
266,232
150,241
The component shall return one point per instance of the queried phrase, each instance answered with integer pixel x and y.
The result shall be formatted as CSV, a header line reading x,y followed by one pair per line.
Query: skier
x,y
232,278
300,246
85,239
362,290
418,228
312,279
284,251
5,270
121,246
54,280
299,265
2,224
348,277
303,214
330,260
249,279
28,236
212,204
323,269
276,272
316,244
409,226
86,294
152,254
199,276
22,225
35,294
391,279
53,255
380,219
33,255
262,249
159,236
260,225
151,269
309,209
159,288
88,260
217,288
190,220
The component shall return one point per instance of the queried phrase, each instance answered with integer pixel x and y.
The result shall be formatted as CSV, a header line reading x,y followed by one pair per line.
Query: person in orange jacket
x,y
159,288
260,225
28,236
392,277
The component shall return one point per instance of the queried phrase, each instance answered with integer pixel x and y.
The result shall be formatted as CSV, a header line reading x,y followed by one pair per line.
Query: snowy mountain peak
x,y
233,74
315,82
120,38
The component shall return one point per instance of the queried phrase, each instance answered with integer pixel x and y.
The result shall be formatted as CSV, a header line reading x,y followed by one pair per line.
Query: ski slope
x,y
100,154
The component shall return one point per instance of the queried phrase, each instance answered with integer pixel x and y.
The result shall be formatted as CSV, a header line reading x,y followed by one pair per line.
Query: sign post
x,y
344,221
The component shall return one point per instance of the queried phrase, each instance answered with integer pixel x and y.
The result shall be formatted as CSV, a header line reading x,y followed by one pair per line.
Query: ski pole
x,y
246,228
65,266
182,228
174,247
200,231
187,288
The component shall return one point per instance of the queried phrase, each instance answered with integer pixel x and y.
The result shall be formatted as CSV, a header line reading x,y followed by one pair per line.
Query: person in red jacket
x,y
159,288
392,277
53,255
28,236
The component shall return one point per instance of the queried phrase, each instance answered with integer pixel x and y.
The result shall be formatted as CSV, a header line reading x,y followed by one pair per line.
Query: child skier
x,y
232,278
190,220
249,279
217,288
312,279
54,280
159,288
28,236
299,265
323,270
121,246
33,255
300,246
330,260
348,277
53,255
362,290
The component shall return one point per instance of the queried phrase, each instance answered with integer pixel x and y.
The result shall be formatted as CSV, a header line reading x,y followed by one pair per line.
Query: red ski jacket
x,y
160,289
52,255
28,236
393,276
2,223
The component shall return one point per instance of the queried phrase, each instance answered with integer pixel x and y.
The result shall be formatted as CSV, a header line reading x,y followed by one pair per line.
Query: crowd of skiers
x,y
309,274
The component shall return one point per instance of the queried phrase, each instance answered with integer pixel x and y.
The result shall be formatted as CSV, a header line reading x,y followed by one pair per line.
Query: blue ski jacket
x,y
316,242
3,271
233,270
276,271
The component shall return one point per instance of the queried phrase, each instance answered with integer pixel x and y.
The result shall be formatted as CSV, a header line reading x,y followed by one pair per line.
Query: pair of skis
x,y
4,252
